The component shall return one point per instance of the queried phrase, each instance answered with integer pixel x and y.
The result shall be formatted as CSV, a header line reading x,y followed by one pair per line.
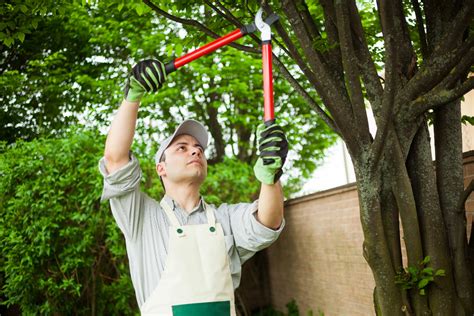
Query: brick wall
x,y
318,258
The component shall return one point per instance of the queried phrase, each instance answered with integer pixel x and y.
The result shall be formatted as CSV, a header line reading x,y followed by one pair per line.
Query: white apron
x,y
196,280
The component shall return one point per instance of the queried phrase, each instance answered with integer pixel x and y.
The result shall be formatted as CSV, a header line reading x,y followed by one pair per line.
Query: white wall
x,y
337,168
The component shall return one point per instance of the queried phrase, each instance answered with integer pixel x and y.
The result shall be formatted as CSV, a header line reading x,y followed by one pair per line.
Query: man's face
x,y
185,161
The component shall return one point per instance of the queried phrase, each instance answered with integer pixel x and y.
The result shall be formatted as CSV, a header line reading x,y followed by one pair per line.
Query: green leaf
x,y
8,41
440,272
120,6
467,120
427,271
178,49
426,260
423,283
21,36
140,9
412,270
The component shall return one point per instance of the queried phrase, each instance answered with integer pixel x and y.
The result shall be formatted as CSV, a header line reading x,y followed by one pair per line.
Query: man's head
x,y
181,159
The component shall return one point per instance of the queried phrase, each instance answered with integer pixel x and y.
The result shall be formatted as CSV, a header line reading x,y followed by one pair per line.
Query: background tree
x,y
69,67
409,60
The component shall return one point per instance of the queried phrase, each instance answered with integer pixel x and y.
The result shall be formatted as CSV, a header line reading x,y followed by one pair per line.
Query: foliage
x,y
20,17
72,66
418,277
61,250
68,63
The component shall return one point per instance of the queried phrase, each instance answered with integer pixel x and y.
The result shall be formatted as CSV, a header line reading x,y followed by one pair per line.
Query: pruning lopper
x,y
264,27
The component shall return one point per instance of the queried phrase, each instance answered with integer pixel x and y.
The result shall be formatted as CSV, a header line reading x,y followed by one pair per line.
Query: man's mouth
x,y
195,161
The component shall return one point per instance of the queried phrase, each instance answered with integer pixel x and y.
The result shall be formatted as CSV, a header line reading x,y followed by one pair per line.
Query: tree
x,y
408,60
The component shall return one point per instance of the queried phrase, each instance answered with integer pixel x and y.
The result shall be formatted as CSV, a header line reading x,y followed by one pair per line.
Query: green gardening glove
x,y
147,76
273,148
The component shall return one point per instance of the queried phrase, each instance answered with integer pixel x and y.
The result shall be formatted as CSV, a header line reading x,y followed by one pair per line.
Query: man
x,y
185,255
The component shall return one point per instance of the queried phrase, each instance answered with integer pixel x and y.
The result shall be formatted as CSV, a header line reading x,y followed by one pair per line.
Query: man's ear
x,y
160,169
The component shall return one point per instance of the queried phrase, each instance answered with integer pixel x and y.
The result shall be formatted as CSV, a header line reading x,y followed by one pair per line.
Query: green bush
x,y
61,250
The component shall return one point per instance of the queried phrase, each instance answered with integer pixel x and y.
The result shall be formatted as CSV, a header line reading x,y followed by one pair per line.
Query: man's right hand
x,y
146,76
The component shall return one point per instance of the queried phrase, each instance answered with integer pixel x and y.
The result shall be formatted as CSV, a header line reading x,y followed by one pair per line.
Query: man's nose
x,y
196,151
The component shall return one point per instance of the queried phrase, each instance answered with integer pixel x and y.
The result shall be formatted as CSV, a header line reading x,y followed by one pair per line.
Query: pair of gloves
x,y
149,75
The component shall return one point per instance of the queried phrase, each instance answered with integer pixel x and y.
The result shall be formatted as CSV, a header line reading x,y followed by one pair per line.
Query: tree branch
x,y
295,84
315,34
454,31
349,63
388,98
366,64
421,30
327,85
197,25
291,49
434,71
332,34
460,71
225,13
440,97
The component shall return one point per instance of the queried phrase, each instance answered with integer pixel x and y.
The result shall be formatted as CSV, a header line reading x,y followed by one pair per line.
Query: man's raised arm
x,y
273,148
148,75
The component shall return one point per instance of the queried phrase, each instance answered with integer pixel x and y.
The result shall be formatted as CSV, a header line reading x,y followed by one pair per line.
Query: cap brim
x,y
189,127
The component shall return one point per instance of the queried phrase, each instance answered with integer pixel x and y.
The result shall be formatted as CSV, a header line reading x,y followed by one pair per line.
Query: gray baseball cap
x,y
189,127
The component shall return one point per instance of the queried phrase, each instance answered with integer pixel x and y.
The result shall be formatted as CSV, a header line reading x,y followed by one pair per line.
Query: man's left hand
x,y
273,148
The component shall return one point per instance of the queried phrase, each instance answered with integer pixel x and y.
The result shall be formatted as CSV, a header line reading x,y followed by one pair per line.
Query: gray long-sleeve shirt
x,y
146,227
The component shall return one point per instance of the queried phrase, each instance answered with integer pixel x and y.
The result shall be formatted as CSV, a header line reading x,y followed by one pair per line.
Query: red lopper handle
x,y
268,109
204,50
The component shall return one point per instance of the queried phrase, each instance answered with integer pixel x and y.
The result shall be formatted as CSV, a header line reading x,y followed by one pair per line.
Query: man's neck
x,y
187,197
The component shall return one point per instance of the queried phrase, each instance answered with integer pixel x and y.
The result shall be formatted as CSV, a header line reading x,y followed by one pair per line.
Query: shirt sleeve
x,y
249,234
122,188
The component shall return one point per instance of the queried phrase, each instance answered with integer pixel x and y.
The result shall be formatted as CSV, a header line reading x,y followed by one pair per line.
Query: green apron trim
x,y
203,309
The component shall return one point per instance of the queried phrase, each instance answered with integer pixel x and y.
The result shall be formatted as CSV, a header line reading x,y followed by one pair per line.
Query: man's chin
x,y
199,176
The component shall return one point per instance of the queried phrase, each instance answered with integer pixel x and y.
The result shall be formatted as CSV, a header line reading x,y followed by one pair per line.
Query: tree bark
x,y
450,184
442,295
387,295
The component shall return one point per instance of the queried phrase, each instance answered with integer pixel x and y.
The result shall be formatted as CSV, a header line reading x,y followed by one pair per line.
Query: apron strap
x,y
211,219
173,219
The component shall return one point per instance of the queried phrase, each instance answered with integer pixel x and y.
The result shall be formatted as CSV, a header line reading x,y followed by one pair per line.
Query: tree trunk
x,y
450,181
441,293
386,295
396,185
